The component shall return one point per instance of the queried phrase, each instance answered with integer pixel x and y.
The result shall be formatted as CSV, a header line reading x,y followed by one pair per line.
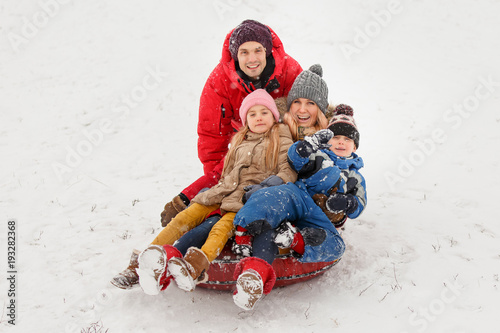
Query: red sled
x,y
288,270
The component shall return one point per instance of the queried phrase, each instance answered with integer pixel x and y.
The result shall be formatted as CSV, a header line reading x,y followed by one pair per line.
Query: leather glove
x,y
172,209
313,143
338,202
272,180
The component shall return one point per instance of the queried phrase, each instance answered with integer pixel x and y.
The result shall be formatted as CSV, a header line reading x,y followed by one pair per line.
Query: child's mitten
x,y
338,202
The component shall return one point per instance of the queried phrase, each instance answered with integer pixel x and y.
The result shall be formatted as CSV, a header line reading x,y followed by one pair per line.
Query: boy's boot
x,y
242,244
152,270
255,277
190,270
128,278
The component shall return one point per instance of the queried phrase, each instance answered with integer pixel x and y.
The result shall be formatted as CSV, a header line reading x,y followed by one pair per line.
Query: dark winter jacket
x,y
222,96
324,170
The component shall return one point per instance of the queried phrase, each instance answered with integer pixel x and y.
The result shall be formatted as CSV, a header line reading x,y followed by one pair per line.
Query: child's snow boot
x,y
255,277
190,270
242,244
128,278
152,270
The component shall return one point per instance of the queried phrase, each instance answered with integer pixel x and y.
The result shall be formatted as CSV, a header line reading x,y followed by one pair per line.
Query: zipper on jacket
x,y
223,110
243,84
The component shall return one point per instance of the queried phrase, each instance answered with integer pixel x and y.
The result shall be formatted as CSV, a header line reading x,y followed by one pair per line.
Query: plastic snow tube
x,y
288,270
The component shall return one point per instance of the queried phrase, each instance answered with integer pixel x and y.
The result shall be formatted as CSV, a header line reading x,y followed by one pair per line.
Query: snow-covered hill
x,y
98,112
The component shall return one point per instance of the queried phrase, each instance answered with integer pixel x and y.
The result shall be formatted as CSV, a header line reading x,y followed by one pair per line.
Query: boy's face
x,y
252,59
260,119
342,145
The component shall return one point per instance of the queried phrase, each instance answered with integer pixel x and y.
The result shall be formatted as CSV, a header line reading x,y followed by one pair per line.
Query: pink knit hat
x,y
258,97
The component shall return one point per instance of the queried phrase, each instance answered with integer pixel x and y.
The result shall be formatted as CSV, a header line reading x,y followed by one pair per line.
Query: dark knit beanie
x,y
250,31
342,123
309,84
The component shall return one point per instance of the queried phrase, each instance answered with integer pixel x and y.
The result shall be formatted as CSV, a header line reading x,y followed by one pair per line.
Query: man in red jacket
x,y
253,57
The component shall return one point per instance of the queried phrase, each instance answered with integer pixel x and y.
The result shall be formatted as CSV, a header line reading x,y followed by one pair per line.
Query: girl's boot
x,y
152,270
128,278
190,270
255,277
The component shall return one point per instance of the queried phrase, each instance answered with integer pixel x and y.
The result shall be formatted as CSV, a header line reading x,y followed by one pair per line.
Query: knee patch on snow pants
x,y
257,227
313,236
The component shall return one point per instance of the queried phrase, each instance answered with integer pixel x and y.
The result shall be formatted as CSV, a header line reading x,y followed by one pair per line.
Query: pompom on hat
x,y
342,123
310,85
258,97
250,31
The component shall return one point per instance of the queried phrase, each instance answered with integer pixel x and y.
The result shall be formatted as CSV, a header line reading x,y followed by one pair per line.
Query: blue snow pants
x,y
270,206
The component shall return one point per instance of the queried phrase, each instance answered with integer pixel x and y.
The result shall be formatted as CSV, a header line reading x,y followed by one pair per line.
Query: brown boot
x,y
128,278
171,209
190,270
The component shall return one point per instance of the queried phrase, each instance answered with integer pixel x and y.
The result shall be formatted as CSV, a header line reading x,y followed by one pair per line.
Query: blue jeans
x,y
197,236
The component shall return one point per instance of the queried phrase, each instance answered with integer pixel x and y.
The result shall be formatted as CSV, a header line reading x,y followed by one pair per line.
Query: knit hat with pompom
x,y
342,123
310,85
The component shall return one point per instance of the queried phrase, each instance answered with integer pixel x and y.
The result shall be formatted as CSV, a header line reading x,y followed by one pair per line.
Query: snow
x,y
99,103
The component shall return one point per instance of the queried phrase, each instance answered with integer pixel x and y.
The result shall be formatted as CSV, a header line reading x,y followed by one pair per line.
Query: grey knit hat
x,y
309,84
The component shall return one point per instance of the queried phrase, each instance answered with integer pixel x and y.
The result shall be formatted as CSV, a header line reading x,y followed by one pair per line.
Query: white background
x,y
92,146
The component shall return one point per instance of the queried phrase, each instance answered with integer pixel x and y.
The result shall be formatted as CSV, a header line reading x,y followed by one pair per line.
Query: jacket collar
x,y
247,84
351,162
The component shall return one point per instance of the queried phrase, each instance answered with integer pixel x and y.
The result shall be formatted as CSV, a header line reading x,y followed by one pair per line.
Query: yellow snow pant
x,y
220,233
193,216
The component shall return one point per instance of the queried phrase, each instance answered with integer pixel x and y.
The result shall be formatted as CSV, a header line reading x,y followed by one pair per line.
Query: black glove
x,y
338,202
351,185
272,180
313,143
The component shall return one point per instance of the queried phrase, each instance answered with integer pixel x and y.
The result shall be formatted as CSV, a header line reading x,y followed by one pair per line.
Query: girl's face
x,y
305,112
342,146
260,119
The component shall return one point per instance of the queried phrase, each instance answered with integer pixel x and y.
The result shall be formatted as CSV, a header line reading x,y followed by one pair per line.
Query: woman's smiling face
x,y
305,112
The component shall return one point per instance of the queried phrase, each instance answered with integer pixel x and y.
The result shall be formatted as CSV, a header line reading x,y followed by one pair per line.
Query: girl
x,y
317,239
258,154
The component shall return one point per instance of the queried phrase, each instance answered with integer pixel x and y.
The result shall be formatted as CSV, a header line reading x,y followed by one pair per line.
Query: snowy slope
x,y
98,112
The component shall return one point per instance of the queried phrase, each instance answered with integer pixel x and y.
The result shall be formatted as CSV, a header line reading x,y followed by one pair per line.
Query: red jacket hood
x,y
228,63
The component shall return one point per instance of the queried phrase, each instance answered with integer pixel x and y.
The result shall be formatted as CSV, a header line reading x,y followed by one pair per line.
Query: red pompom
x,y
344,109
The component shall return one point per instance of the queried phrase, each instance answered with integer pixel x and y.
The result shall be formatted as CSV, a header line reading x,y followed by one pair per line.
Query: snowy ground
x,y
98,112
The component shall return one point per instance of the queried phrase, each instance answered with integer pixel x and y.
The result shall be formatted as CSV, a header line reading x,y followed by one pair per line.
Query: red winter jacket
x,y
219,107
